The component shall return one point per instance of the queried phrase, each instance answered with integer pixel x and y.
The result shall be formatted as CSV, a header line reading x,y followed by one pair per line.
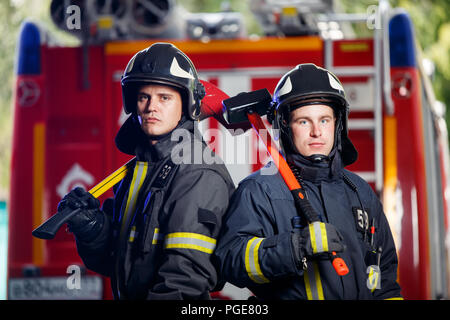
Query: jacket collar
x,y
317,172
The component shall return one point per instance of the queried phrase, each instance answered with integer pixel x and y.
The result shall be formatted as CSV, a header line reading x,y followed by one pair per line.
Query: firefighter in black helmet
x,y
265,247
164,64
155,238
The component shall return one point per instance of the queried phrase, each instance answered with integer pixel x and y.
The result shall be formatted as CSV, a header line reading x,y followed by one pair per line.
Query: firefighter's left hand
x,y
88,222
316,239
78,198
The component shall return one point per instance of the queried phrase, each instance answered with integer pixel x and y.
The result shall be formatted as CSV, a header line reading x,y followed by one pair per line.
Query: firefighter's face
x,y
312,129
159,109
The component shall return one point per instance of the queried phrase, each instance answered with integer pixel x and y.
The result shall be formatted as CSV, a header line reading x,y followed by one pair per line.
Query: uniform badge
x,y
361,219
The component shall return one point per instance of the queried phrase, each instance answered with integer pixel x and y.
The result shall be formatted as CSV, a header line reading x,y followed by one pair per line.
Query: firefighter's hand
x,y
316,239
89,221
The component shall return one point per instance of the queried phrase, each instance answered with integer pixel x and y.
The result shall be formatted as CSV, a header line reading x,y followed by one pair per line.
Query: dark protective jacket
x,y
255,248
162,225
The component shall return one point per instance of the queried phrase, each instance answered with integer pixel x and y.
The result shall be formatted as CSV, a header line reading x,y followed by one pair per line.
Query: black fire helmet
x,y
163,63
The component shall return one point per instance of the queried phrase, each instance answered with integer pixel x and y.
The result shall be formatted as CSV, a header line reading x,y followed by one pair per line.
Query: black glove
x,y
87,223
314,240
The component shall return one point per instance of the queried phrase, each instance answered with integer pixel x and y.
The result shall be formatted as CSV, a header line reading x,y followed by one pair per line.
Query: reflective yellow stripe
x,y
133,234
318,282
323,233
256,261
395,298
189,240
318,236
111,180
139,174
157,237
309,294
247,259
312,235
252,261
313,283
191,235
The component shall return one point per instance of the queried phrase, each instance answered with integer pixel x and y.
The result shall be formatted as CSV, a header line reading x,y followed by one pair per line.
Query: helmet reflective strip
x,y
318,235
177,71
313,283
286,88
188,240
334,83
130,64
140,171
252,261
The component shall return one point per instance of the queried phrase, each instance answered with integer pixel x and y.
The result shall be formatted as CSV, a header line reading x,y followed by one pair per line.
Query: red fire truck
x,y
68,108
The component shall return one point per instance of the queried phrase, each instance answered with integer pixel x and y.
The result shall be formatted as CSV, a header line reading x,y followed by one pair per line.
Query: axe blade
x,y
237,107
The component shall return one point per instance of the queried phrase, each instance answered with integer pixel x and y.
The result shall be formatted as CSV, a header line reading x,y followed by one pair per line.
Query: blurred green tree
x,y
431,20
